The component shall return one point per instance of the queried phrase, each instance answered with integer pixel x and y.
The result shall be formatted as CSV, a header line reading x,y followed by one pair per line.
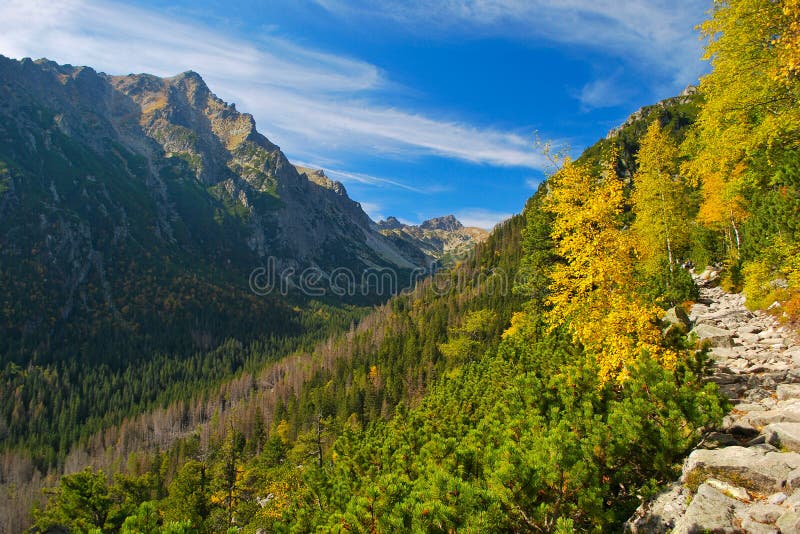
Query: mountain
x,y
137,204
443,239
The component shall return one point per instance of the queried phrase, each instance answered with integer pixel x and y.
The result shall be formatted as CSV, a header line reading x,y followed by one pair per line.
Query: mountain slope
x,y
135,203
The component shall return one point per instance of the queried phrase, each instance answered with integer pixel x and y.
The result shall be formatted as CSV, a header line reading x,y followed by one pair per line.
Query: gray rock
x,y
677,316
784,435
718,440
789,523
777,498
718,337
793,482
660,514
740,494
768,417
709,511
754,527
788,391
755,469
793,501
765,512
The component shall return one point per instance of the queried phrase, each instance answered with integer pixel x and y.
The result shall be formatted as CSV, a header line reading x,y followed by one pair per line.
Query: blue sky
x,y
421,108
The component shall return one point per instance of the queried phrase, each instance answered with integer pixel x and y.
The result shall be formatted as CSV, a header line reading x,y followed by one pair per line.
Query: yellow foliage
x,y
594,292
659,200
750,105
282,431
518,320
773,276
788,43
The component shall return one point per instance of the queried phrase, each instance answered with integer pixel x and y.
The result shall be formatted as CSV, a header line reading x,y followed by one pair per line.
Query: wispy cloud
x,y
481,218
373,209
345,177
533,182
656,34
603,93
310,102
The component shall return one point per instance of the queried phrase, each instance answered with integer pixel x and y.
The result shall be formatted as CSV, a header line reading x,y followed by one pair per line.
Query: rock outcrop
x,y
744,476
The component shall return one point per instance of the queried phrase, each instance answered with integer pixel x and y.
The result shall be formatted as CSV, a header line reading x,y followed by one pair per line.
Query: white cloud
x,y
373,209
657,35
311,103
345,177
481,218
533,182
603,93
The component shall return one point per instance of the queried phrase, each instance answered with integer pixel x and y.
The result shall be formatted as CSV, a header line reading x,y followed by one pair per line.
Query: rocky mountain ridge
x,y
443,239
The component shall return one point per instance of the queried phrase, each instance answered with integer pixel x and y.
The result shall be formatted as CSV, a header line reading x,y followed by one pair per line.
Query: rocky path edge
x,y
744,477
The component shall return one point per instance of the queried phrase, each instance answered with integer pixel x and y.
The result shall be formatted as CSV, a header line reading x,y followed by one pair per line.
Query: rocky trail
x,y
744,476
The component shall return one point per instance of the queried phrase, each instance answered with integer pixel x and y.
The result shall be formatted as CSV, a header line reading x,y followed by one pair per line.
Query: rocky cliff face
x,y
126,201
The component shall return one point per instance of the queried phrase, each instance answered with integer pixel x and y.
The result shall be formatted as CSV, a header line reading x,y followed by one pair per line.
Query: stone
x,y
740,494
718,440
659,514
793,481
754,527
723,353
789,523
765,512
677,316
756,469
793,501
784,435
718,337
788,391
777,498
710,511
760,419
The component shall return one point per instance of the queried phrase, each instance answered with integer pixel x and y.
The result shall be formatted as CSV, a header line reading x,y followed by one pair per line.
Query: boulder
x,y
793,502
760,419
788,391
789,523
677,316
754,527
718,440
784,435
757,469
660,514
710,511
765,513
740,494
793,482
718,337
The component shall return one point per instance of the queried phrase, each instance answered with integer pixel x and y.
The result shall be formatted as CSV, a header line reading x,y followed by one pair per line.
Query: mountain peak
x,y
391,223
319,177
448,223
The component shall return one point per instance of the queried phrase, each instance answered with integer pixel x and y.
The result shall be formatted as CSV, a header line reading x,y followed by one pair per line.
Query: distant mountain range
x,y
135,203
444,239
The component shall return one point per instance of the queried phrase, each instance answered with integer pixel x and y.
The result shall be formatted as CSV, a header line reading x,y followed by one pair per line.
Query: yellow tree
x,y
660,201
751,103
593,292
788,43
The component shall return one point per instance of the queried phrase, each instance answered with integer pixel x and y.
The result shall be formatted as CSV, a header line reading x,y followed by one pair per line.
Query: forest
x,y
556,405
